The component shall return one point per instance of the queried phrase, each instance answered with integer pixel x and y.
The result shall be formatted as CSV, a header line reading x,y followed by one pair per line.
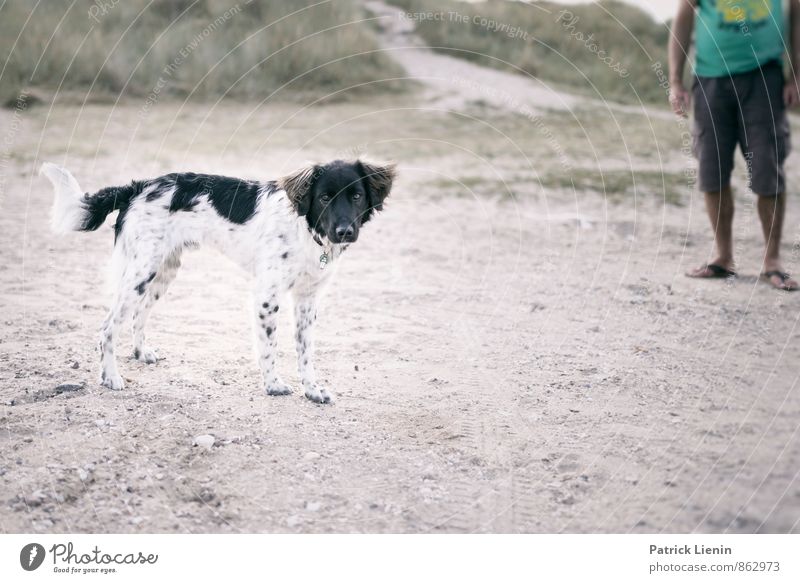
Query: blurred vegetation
x,y
203,48
553,46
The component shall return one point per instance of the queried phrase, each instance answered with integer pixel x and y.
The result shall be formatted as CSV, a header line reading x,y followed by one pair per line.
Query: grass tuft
x,y
202,48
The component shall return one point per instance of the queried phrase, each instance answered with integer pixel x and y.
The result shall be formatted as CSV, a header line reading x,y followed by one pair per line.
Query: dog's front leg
x,y
266,310
305,314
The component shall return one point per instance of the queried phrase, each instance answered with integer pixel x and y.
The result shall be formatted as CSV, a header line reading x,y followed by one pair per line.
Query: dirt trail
x,y
454,83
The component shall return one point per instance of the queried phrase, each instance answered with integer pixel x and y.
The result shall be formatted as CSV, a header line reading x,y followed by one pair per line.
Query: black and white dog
x,y
284,232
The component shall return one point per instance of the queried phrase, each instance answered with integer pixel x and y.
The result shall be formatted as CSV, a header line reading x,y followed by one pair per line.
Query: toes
x,y
146,355
113,382
278,389
314,395
319,395
780,283
327,396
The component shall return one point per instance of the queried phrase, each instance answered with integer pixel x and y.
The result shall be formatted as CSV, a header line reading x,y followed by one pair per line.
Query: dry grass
x,y
542,44
198,48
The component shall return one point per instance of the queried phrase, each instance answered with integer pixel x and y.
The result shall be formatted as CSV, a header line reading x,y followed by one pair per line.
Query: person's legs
x,y
719,206
715,136
720,210
765,141
771,211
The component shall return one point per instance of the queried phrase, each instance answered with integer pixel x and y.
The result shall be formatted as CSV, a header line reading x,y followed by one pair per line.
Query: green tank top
x,y
736,36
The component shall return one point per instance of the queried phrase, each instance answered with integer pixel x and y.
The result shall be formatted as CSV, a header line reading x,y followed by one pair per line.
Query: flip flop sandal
x,y
768,275
717,272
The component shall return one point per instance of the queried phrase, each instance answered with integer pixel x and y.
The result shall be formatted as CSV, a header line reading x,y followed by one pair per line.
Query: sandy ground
x,y
510,354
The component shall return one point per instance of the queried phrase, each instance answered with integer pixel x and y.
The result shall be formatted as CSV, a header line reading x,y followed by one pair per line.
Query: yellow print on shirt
x,y
751,11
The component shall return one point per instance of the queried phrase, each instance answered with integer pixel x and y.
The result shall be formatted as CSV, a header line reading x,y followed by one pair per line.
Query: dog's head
x,y
338,197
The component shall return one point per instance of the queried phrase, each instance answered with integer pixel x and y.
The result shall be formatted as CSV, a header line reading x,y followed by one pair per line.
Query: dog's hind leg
x,y
124,302
156,289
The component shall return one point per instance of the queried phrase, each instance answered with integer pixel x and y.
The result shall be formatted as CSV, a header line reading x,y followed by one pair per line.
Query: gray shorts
x,y
745,109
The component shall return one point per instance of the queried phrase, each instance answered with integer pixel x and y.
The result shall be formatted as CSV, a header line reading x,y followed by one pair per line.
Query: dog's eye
x,y
325,197
356,195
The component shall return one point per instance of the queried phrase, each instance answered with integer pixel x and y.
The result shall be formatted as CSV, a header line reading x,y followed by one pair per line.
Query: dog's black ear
x,y
379,178
298,187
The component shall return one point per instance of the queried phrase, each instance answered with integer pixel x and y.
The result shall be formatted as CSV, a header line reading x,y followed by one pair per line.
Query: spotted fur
x,y
277,231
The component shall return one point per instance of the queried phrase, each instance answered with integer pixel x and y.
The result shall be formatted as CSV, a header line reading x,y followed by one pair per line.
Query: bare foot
x,y
714,270
779,279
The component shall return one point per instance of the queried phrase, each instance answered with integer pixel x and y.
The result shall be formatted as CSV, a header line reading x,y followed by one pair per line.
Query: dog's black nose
x,y
345,232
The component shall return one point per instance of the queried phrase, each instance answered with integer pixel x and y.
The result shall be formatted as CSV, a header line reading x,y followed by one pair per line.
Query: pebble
x,y
204,441
312,455
68,388
75,364
37,498
100,422
313,506
293,521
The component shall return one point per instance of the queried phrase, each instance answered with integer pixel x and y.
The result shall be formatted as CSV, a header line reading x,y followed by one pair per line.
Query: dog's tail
x,y
75,211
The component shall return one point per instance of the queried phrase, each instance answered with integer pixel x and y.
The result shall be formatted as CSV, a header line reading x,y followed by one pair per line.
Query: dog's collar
x,y
327,251
315,236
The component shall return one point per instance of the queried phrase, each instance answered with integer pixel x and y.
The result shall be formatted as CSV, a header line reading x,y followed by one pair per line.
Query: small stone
x,y
37,498
313,506
75,365
68,388
355,368
312,455
205,495
293,521
204,441
100,422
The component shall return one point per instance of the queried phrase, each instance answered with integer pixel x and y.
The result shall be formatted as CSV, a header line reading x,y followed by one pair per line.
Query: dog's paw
x,y
146,355
112,381
278,388
319,394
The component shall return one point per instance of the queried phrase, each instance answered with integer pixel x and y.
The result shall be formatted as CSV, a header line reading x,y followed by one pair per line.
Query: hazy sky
x,y
661,9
